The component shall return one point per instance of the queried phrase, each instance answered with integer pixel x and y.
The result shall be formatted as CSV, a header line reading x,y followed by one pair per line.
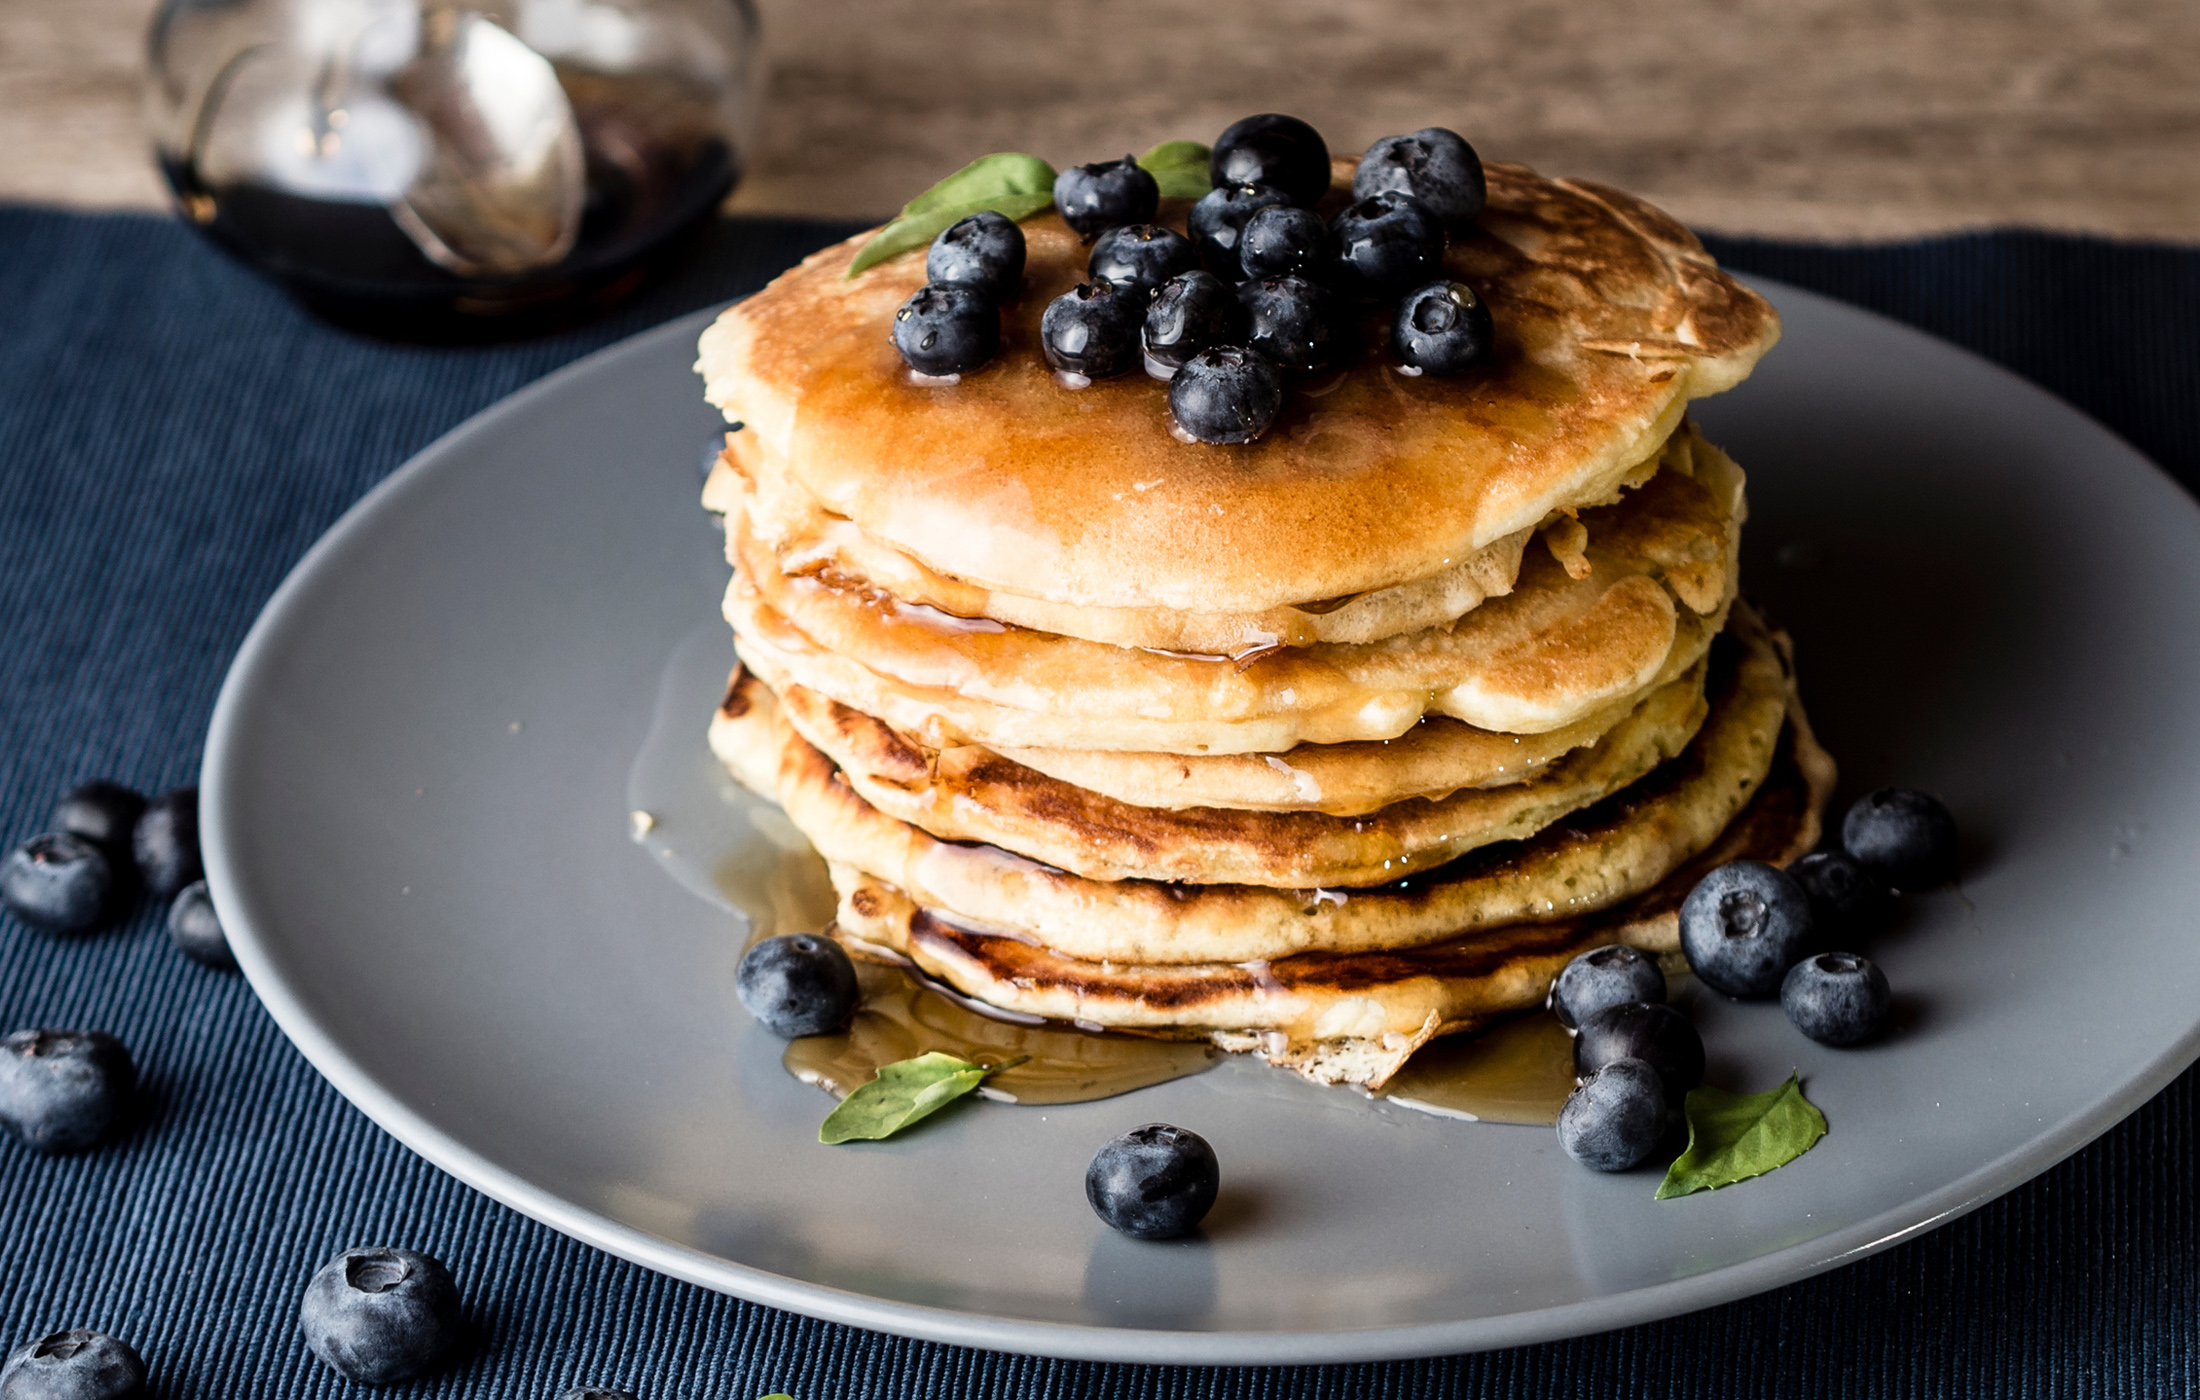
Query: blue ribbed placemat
x,y
173,435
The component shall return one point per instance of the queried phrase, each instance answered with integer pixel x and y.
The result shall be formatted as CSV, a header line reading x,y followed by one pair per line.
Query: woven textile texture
x,y
174,434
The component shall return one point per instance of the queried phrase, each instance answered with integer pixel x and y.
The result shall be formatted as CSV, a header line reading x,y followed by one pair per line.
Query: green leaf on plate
x,y
1733,1137
1180,168
904,1092
1006,182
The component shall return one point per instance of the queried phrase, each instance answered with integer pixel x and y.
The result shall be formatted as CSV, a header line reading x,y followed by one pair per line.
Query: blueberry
x,y
797,984
1385,244
1844,898
1903,836
1218,219
1433,165
1442,328
1140,257
196,929
1107,194
1281,152
985,251
1188,313
1287,242
1615,1118
1092,330
1836,998
1153,1183
1657,1035
1743,927
58,883
62,1091
1605,977
1226,394
380,1315
947,328
103,813
597,1392
1292,322
78,1364
165,843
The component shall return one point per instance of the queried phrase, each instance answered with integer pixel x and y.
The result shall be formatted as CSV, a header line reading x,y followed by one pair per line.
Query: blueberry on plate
x,y
62,1091
985,251
1845,899
1092,330
1442,328
1614,1119
1226,394
1107,194
1153,1183
1140,257
1287,242
1836,998
1743,927
379,1315
1657,1035
1605,977
103,813
1386,243
1905,837
1292,322
58,883
1188,313
1280,152
947,328
597,1392
797,984
1434,165
165,843
196,929
78,1364
1219,218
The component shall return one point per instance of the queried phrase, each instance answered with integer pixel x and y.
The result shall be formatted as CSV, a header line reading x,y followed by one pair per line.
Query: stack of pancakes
x,y
1317,747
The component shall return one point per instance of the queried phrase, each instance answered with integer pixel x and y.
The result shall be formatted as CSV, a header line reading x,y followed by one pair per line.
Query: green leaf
x,y
776,1395
1017,186
1733,1137
904,1092
1180,168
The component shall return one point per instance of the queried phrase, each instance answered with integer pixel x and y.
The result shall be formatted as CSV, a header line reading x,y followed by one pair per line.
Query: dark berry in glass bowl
x,y
1605,977
58,883
797,984
1442,328
1092,330
1386,243
1280,152
1140,257
1153,1183
1218,220
947,328
1293,322
1106,194
984,251
1903,836
1287,242
1743,926
1614,1119
1434,165
1188,313
1226,394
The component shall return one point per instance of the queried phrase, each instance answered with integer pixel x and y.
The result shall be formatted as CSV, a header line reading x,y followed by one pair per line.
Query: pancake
x,y
967,794
1336,1018
1586,862
1565,642
1609,319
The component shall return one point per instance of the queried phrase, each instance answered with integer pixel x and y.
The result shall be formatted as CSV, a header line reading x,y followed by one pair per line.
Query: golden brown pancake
x,y
1609,318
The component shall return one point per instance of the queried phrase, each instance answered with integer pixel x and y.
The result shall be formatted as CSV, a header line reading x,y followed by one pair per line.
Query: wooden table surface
x,y
1829,118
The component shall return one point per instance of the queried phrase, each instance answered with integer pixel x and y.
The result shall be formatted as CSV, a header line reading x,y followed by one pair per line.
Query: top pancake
x,y
1610,317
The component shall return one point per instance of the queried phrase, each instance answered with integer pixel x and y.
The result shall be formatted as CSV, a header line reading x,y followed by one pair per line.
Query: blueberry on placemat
x,y
1271,149
985,251
196,929
58,883
1836,998
1140,257
165,843
1226,394
1188,313
103,813
78,1364
1743,926
1091,330
1656,1034
1154,1182
797,984
1385,244
1293,322
947,328
1903,836
1219,218
596,1392
1434,165
380,1315
1106,194
62,1091
1287,242
1614,1119
1604,977
1442,328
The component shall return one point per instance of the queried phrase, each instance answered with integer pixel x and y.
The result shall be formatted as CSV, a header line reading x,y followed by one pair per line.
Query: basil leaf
x,y
776,1395
902,1093
1180,168
1733,1137
1017,186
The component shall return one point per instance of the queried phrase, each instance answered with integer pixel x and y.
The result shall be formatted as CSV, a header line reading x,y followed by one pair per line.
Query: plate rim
x,y
227,740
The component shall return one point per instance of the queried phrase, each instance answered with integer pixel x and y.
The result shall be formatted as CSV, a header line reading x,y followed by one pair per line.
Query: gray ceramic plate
x,y
417,792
